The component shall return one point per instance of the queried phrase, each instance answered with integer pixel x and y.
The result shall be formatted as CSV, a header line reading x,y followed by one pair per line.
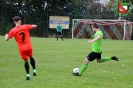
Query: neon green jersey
x,y
97,45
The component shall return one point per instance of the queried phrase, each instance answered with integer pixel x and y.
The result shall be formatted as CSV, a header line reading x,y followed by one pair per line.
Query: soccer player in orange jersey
x,y
21,34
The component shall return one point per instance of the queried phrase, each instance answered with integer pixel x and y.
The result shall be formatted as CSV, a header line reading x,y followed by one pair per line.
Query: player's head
x,y
16,19
95,27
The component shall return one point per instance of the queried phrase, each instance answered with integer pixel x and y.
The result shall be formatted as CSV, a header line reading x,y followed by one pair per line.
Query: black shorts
x,y
92,56
59,33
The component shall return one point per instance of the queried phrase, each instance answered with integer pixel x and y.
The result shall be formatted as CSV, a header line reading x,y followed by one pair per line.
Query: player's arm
x,y
29,26
61,28
57,28
6,37
34,26
97,38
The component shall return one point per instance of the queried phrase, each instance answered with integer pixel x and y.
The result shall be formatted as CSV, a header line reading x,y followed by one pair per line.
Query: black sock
x,y
57,38
26,67
32,62
61,37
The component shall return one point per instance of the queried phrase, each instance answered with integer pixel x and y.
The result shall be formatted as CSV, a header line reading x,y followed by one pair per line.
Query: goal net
x,y
112,29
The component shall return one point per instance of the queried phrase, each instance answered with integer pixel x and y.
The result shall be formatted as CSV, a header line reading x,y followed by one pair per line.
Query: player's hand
x,y
90,41
6,37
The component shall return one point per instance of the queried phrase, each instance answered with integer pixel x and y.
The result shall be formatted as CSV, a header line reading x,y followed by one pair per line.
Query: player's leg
x,y
84,66
24,56
57,35
103,59
89,58
61,36
26,65
32,61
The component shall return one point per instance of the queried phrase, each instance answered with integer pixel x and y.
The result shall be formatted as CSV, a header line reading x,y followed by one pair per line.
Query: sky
x,y
104,1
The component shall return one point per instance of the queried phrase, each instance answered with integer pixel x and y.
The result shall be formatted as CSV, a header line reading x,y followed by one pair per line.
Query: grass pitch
x,y
55,61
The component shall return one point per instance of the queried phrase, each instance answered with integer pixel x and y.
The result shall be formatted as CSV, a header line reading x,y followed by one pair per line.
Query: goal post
x,y
112,29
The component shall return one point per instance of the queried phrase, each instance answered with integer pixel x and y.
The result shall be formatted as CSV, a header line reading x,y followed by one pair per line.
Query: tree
x,y
38,12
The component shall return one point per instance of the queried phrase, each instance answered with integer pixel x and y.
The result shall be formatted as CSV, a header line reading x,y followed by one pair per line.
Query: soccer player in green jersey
x,y
96,50
59,31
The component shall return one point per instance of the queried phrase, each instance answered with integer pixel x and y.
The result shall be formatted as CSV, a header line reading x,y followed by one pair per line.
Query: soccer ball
x,y
76,70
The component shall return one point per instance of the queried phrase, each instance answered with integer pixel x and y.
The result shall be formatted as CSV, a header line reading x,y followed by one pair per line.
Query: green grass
x,y
55,61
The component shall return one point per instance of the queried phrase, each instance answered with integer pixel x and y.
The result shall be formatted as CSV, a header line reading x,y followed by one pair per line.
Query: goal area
x,y
112,29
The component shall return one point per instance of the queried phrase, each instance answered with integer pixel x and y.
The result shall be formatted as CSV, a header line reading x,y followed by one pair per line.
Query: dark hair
x,y
95,25
16,18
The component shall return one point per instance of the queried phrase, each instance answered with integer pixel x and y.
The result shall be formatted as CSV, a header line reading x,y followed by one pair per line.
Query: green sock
x,y
84,67
103,59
